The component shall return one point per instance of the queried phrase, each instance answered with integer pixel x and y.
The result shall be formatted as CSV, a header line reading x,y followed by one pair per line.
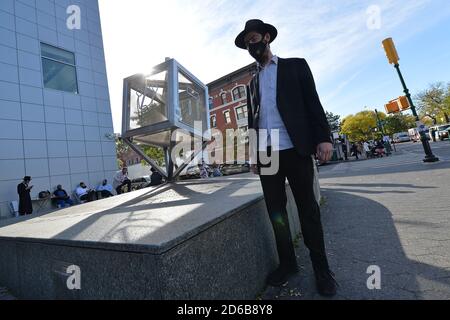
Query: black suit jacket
x,y
298,103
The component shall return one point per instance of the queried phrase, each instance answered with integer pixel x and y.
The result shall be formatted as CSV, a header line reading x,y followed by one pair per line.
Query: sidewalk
x,y
399,221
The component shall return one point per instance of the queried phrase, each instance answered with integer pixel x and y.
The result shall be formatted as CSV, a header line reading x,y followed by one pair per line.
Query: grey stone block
x,y
194,240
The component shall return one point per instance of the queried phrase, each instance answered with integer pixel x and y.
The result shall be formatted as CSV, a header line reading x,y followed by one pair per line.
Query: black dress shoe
x,y
281,275
326,283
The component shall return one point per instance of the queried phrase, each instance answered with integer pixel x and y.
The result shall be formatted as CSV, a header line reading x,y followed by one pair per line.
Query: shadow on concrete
x,y
136,210
360,233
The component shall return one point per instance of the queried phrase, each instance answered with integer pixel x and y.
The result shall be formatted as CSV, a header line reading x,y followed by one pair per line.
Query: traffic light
x,y
391,52
392,107
403,103
397,105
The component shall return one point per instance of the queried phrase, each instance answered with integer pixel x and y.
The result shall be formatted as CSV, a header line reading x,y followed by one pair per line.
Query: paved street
x,y
393,213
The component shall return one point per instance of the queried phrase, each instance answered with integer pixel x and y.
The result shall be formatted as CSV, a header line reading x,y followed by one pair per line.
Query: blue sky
x,y
340,39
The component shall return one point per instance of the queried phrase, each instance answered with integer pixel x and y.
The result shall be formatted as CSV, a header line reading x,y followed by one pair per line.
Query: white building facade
x,y
55,115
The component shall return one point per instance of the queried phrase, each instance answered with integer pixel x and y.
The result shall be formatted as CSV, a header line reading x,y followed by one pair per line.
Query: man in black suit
x,y
24,189
282,100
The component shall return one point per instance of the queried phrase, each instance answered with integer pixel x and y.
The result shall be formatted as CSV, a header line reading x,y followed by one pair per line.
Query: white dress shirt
x,y
119,178
270,118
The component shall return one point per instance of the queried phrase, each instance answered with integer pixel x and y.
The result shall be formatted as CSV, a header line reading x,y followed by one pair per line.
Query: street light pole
x,y
429,156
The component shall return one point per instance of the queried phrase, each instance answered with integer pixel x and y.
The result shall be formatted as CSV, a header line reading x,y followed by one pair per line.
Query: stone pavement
x,y
393,213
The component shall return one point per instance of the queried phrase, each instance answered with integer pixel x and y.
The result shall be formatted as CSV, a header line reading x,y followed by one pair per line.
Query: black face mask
x,y
257,50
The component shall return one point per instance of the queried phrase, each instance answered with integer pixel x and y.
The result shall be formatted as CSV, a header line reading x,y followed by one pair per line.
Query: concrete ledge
x,y
194,240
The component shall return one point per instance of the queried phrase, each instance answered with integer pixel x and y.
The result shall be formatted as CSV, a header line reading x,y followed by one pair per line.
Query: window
x,y
227,117
242,113
58,68
213,121
223,95
239,93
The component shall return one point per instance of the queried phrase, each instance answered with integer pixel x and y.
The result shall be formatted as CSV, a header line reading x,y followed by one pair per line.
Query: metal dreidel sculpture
x,y
163,108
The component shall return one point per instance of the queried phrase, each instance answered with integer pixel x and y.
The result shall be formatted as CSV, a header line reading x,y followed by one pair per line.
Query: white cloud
x,y
332,35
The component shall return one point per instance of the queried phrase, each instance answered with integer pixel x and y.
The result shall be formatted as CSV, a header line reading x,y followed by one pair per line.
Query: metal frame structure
x,y
159,134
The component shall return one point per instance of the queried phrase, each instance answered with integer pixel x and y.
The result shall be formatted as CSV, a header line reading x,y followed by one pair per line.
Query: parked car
x,y
414,134
442,132
234,168
401,137
193,172
139,183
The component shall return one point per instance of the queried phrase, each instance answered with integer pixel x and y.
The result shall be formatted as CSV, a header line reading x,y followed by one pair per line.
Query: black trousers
x,y
89,197
127,183
299,170
106,194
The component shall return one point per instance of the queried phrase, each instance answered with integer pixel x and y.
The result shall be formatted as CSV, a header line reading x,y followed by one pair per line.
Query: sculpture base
x,y
209,239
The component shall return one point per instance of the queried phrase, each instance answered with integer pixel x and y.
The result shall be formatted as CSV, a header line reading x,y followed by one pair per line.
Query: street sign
x,y
421,127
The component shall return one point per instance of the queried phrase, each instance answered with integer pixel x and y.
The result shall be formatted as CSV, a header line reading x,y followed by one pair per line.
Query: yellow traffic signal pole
x,y
392,55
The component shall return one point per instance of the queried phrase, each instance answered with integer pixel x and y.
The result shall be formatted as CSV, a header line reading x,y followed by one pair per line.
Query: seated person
x,y
121,180
216,171
156,178
85,194
62,198
105,189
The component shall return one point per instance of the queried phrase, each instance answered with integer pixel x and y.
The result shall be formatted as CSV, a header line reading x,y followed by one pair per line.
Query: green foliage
x,y
360,126
154,153
398,123
334,121
121,149
434,103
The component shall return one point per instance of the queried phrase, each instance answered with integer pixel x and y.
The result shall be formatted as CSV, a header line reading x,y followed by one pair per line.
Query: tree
x,y
121,149
157,154
434,102
334,121
398,123
361,125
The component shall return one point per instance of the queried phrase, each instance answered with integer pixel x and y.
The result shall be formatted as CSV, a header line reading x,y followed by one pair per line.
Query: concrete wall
x,y
229,260
56,137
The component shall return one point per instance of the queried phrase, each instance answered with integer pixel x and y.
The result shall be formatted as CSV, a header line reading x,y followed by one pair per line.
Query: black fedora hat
x,y
258,26
27,178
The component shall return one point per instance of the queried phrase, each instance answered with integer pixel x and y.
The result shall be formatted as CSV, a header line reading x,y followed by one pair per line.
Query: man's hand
x,y
324,152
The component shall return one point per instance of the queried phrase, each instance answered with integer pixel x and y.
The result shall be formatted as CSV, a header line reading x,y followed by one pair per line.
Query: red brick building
x,y
228,100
